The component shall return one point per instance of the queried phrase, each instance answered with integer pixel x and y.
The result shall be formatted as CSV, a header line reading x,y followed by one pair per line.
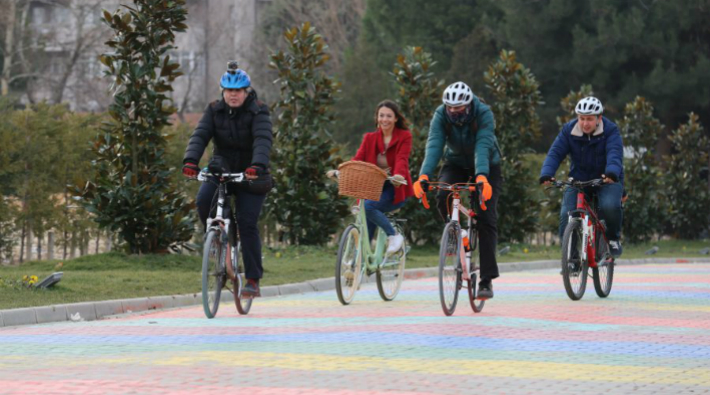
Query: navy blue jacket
x,y
602,152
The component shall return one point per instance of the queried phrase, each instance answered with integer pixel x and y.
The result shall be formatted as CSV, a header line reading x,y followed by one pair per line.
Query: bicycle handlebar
x,y
578,184
226,177
464,186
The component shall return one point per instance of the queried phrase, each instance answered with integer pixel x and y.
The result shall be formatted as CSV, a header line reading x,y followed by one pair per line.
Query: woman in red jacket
x,y
388,147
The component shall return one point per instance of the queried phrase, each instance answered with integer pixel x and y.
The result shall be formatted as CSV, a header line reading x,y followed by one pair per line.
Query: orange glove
x,y
487,189
421,186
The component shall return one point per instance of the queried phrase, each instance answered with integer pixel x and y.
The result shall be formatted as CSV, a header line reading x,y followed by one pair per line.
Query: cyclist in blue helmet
x,y
240,127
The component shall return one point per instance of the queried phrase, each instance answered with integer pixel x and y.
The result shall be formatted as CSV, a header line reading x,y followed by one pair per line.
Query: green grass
x,y
117,276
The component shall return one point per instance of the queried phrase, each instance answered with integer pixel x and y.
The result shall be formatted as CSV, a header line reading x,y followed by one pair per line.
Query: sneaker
x,y
251,288
349,278
615,248
485,289
394,243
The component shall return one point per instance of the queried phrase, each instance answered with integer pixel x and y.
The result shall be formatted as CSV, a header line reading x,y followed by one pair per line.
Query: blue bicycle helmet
x,y
234,78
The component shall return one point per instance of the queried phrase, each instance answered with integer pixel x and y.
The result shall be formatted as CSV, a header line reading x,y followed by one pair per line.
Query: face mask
x,y
459,117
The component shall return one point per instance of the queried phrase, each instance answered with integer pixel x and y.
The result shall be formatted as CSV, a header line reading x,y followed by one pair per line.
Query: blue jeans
x,y
609,208
375,211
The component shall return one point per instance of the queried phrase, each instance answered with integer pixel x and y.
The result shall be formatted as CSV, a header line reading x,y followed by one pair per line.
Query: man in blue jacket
x,y
595,148
462,131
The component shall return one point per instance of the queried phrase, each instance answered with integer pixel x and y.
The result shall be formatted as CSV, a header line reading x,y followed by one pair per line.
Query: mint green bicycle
x,y
357,258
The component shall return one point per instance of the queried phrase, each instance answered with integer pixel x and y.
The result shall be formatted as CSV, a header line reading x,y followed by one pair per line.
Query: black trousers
x,y
487,220
248,207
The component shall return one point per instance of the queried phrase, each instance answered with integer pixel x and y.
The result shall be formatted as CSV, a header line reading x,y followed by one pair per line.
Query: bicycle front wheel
x,y
391,272
348,267
213,272
574,268
604,272
243,303
476,304
449,268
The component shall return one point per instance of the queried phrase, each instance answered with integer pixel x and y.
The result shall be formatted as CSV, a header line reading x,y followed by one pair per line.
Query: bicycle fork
x,y
464,253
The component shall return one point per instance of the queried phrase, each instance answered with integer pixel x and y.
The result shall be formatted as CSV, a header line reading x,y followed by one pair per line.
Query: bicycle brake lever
x,y
425,202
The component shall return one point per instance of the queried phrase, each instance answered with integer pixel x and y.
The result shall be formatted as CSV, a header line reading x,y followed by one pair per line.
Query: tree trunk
x,y
22,241
9,49
28,244
50,245
98,237
25,65
39,247
72,249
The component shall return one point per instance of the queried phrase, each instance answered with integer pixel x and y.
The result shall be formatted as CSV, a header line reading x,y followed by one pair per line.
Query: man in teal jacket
x,y
463,132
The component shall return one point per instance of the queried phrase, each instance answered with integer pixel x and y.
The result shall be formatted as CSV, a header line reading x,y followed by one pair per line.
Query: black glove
x,y
612,177
544,179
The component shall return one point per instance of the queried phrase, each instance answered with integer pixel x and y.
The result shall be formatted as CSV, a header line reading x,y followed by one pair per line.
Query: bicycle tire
x,y
449,268
603,274
574,270
213,272
476,304
348,267
390,275
243,304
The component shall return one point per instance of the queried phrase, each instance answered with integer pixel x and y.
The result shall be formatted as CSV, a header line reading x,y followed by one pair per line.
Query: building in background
x,y
57,44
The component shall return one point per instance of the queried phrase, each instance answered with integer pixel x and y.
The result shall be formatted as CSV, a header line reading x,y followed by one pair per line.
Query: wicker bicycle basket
x,y
361,180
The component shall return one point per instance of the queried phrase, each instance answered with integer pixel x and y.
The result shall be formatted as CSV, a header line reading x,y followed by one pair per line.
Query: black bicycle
x,y
220,259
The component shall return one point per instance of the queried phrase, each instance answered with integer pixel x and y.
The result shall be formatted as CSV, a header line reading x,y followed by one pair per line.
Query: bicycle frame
x,y
219,221
371,259
469,213
590,224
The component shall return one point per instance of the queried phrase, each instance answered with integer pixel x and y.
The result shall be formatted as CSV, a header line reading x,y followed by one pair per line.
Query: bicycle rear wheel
x,y
213,272
449,268
574,269
391,272
243,303
476,304
348,266
604,272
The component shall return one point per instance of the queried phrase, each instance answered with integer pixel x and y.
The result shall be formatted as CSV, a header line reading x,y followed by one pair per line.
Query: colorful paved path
x,y
651,336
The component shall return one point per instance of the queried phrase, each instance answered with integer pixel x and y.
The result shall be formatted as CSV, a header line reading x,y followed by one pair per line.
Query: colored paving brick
x,y
651,336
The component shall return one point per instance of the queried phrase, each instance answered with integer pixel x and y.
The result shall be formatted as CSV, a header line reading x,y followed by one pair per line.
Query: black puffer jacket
x,y
242,136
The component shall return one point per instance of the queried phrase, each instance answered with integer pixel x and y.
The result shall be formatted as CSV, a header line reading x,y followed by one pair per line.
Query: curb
x,y
89,311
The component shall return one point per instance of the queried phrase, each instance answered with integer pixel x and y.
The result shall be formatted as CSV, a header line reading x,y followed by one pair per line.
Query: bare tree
x,y
45,43
338,21
88,34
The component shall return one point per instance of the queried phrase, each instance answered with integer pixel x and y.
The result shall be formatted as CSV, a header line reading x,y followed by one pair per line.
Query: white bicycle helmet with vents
x,y
457,94
590,105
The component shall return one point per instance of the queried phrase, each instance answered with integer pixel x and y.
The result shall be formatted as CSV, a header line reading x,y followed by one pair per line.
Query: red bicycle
x,y
584,244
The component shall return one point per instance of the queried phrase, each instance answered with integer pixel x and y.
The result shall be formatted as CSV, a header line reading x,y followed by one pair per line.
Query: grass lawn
x,y
117,276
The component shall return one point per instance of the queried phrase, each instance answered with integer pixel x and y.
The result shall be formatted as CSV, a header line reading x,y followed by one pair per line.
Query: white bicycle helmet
x,y
457,94
590,105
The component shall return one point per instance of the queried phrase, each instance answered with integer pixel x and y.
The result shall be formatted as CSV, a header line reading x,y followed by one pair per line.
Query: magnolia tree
x,y
419,94
131,193
304,203
515,96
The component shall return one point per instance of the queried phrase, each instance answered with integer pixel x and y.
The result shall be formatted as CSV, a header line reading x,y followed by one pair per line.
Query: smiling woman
x,y
388,147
